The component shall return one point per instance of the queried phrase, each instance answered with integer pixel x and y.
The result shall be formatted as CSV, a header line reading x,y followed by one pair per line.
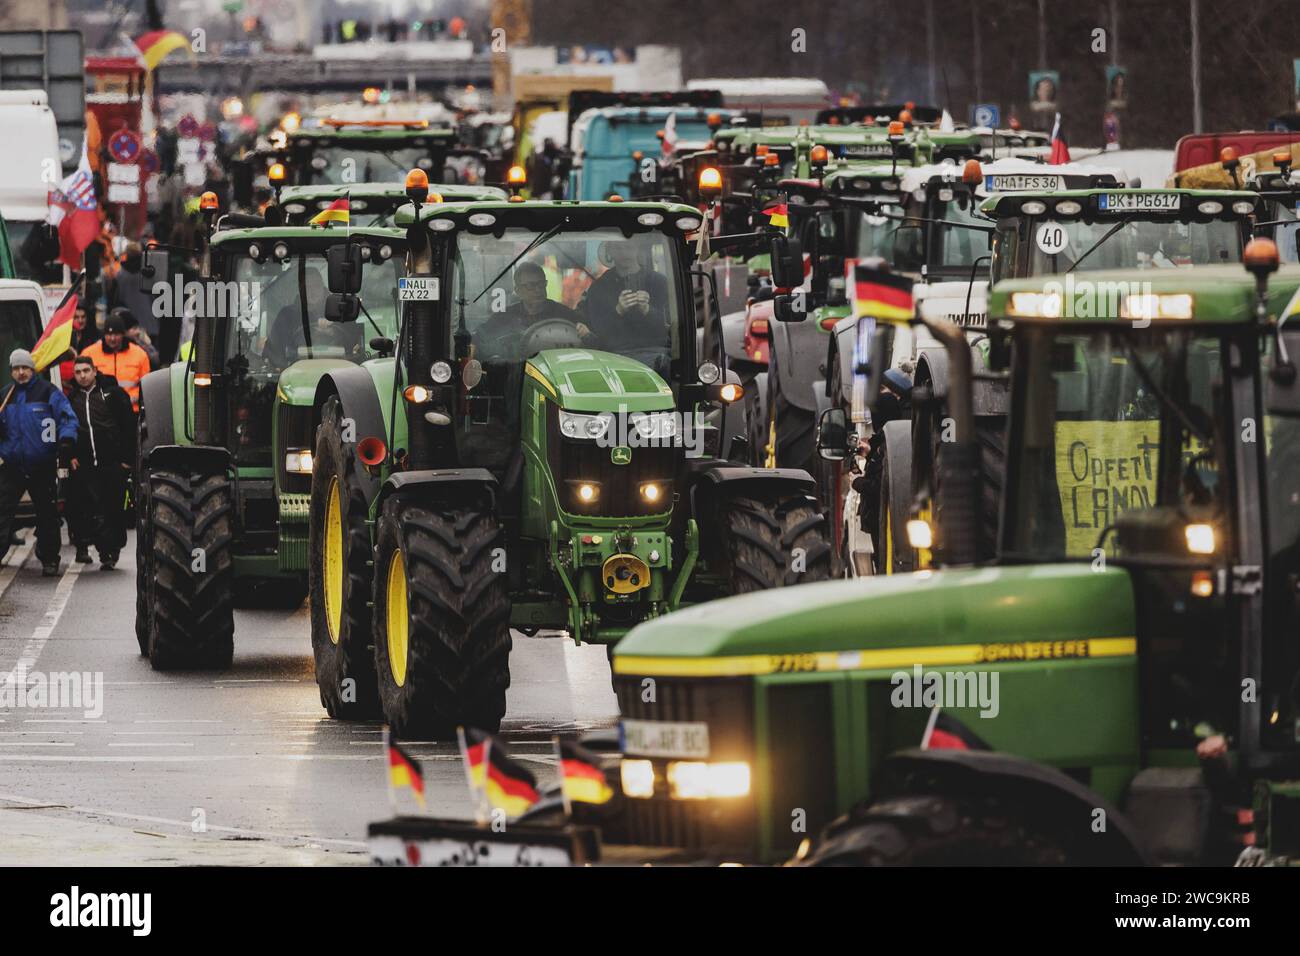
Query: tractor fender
x,y
706,490
359,401
201,459
990,397
156,396
356,391
840,351
1002,776
733,336
798,352
475,486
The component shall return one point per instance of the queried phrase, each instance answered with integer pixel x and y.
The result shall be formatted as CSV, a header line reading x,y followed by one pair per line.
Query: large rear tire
x,y
933,830
339,577
144,573
442,620
190,526
774,541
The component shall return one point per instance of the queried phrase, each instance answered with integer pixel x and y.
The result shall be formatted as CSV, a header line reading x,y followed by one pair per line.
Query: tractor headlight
x,y
638,778
919,534
574,425
696,780
586,492
1177,305
440,372
652,492
658,425
1200,538
298,461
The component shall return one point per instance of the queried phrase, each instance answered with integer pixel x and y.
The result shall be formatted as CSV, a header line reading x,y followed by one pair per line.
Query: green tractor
x,y
1065,221
226,439
543,452
1118,687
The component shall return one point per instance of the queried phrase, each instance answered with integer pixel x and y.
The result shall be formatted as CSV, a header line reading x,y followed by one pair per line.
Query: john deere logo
x,y
620,455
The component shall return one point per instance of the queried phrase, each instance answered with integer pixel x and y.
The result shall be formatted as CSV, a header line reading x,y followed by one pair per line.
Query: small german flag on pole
x,y
403,771
473,750
778,215
581,778
337,211
510,786
882,295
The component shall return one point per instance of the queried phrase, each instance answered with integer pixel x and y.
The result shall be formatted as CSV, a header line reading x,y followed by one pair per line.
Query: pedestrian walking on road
x,y
84,333
117,356
101,464
38,430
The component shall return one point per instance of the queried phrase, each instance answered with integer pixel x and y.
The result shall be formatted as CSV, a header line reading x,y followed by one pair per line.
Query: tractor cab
x,y
341,152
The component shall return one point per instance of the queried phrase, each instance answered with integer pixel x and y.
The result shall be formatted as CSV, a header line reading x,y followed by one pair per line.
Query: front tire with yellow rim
x,y
441,619
339,576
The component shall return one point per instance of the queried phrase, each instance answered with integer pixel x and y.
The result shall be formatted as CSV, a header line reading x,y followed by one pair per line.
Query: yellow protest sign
x,y
1102,469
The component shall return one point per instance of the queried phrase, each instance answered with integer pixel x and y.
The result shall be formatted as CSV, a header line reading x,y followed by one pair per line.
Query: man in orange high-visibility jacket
x,y
119,357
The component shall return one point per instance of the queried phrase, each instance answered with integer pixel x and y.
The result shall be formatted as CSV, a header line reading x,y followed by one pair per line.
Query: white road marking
x,y
32,743
63,720
178,720
31,653
42,733
158,743
185,825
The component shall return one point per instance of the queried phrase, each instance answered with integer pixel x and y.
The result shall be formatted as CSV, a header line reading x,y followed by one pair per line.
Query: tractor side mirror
x,y
344,268
155,264
787,262
787,308
833,435
342,307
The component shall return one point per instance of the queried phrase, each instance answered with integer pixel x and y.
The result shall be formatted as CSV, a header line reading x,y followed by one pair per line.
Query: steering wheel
x,y
550,334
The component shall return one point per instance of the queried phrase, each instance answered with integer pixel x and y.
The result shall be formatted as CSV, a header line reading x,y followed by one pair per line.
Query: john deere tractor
x,y
226,438
543,452
1120,686
1065,221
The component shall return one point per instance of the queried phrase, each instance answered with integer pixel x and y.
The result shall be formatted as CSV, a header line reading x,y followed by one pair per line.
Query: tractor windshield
x,y
1107,421
269,333
1065,245
582,289
365,162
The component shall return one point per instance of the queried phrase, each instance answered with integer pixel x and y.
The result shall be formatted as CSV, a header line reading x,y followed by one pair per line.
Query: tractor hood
x,y
586,380
297,385
935,618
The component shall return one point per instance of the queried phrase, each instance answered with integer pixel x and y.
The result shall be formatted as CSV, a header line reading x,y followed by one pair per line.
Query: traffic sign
x,y
149,161
986,114
188,126
124,146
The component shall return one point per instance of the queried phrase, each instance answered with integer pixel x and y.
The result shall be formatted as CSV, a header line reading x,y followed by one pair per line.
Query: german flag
x,y
57,337
473,750
510,786
337,211
881,295
580,775
949,733
778,215
404,771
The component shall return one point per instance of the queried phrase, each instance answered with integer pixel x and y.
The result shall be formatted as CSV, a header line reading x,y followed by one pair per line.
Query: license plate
x,y
867,151
1023,182
1139,202
415,289
659,738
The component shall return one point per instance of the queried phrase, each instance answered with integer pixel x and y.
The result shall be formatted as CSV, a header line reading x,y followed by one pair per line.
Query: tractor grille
x,y
573,462
722,828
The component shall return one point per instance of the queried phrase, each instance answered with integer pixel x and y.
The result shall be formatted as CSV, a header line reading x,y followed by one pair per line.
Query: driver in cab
x,y
533,307
628,304
286,333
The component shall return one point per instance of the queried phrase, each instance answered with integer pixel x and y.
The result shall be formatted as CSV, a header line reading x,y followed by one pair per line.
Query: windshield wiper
x,y
542,237
1113,229
1145,374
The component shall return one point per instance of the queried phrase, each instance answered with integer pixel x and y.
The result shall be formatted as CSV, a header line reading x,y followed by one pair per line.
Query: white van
x,y
29,170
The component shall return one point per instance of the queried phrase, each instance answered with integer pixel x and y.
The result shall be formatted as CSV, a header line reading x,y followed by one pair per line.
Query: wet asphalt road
x,y
241,766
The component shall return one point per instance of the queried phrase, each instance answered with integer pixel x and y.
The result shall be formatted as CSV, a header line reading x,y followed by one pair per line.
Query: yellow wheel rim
x,y
334,562
398,621
769,453
889,543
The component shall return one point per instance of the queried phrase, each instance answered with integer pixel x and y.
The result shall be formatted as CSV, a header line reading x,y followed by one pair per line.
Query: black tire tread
x,y
762,535
458,668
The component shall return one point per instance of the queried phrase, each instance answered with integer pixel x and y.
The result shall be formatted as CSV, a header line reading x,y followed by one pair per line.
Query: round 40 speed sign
x,y
1052,238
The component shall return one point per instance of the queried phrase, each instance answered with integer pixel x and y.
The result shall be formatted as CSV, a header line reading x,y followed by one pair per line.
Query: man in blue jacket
x,y
38,430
